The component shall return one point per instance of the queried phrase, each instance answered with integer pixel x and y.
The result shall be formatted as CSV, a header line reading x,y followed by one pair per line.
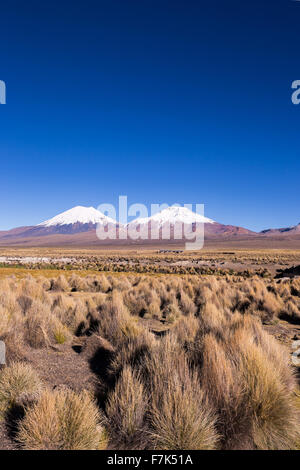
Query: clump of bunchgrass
x,y
63,420
125,409
19,383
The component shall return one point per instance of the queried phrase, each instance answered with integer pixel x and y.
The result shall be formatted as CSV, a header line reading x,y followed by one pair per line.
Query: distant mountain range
x,y
289,231
77,226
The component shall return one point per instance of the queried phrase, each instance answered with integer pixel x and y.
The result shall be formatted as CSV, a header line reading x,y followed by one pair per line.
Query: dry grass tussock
x,y
19,384
181,363
125,410
63,420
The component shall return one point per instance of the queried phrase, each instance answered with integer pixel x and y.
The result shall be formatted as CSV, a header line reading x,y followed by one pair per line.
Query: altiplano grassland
x,y
142,350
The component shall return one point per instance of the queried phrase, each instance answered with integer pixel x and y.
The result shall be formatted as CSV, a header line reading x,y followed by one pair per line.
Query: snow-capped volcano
x,y
171,223
78,215
79,219
179,220
173,215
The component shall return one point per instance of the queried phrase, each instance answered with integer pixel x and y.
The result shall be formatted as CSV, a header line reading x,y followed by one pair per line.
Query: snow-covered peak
x,y
173,215
78,214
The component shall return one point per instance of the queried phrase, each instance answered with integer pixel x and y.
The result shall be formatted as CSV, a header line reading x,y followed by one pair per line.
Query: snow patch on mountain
x,y
173,215
78,214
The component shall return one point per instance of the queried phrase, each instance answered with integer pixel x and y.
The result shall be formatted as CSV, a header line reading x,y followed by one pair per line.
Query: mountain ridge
x,y
293,230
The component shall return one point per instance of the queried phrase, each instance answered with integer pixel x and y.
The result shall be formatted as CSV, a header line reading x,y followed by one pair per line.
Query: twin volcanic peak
x,y
80,221
83,219
89,217
77,226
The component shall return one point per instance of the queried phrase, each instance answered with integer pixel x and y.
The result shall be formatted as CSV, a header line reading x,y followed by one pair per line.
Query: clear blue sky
x,y
164,101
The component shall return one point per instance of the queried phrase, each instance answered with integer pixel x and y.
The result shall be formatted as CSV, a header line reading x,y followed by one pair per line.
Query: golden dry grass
x,y
182,362
125,409
63,420
19,384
